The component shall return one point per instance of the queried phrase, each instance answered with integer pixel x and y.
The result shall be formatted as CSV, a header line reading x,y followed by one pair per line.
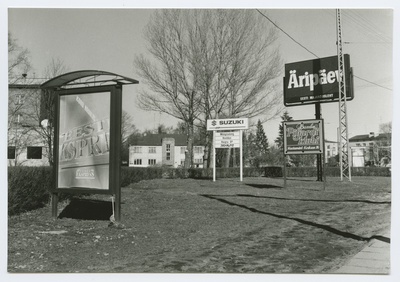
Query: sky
x,y
109,39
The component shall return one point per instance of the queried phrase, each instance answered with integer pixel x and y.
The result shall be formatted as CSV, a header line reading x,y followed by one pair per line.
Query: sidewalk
x,y
373,259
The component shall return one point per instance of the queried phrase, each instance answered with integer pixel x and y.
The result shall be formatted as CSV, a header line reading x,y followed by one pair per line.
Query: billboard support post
x,y
319,159
241,154
214,168
116,131
284,170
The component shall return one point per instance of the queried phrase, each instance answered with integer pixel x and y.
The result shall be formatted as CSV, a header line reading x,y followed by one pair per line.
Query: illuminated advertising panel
x,y
84,141
303,137
312,81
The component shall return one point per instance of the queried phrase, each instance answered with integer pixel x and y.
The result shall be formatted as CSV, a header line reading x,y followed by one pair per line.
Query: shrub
x,y
28,188
207,173
135,174
273,171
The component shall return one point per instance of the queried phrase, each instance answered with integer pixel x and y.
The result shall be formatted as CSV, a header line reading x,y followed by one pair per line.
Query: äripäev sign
x,y
313,81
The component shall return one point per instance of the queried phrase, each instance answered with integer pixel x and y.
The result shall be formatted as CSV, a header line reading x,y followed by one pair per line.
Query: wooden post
x,y
284,171
54,205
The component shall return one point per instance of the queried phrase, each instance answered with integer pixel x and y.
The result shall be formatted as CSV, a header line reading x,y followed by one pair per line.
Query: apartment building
x,y
162,150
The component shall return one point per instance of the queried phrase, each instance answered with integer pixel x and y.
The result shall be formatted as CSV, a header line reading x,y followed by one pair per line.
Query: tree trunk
x,y
227,158
190,143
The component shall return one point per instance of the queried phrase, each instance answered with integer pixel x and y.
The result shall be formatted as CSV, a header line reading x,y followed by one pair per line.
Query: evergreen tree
x,y
261,140
279,139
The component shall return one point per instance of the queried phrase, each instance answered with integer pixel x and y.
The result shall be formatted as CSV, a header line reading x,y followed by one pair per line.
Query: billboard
x,y
313,81
303,137
83,158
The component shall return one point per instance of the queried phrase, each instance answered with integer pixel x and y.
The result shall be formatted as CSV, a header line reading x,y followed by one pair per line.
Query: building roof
x,y
368,137
156,140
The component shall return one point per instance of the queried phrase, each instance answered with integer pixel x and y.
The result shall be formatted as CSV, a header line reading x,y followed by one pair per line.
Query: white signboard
x,y
229,135
228,124
227,139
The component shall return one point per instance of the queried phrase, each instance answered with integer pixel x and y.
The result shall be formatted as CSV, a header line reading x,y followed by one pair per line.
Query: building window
x,y
183,149
11,152
198,161
358,144
137,161
328,153
198,150
19,99
328,147
152,161
182,162
137,150
168,149
152,150
34,153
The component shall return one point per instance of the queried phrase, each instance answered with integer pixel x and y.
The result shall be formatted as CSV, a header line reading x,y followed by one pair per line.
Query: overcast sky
x,y
108,39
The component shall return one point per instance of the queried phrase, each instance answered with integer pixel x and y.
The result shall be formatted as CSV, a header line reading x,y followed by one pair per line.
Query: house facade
x,y
370,149
331,149
25,143
162,150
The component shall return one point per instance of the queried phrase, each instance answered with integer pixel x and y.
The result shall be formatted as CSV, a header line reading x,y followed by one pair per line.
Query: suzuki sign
x,y
228,124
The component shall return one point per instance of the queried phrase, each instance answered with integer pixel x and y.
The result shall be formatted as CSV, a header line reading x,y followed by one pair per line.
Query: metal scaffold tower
x,y
344,152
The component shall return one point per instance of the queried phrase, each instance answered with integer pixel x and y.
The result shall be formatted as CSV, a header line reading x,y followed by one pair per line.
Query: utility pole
x,y
344,152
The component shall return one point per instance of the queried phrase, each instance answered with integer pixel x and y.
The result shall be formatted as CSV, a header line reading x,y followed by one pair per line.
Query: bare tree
x,y
210,64
169,76
42,108
18,60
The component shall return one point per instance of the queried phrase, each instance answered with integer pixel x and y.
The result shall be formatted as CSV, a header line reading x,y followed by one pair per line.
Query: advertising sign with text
x,y
227,139
303,137
84,141
228,124
316,80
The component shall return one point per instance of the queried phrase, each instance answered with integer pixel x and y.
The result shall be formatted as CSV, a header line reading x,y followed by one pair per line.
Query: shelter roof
x,y
84,78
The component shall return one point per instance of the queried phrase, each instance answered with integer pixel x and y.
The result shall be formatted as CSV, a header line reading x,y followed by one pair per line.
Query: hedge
x,y
29,187
329,171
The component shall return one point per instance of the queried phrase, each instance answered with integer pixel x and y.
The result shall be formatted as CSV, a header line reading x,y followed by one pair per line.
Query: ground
x,y
200,226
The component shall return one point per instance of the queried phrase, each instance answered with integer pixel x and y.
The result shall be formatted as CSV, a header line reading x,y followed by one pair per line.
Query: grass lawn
x,y
200,226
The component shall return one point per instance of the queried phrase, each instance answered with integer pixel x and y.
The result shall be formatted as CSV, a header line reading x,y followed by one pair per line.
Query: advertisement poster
x,y
315,81
303,137
84,137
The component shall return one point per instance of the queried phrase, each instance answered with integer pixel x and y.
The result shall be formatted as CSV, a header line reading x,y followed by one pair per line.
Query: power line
x,y
373,83
315,54
286,33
